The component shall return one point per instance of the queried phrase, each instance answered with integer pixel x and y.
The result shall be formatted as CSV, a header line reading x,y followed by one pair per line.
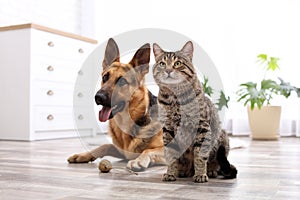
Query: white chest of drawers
x,y
39,67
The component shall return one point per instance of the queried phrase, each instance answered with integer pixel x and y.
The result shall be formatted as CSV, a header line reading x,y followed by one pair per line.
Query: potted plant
x,y
264,119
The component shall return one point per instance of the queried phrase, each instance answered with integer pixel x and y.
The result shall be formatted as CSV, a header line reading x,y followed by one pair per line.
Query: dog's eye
x,y
121,82
105,78
177,64
162,64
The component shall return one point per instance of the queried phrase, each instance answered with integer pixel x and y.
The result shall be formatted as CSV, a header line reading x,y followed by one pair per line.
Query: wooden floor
x,y
39,170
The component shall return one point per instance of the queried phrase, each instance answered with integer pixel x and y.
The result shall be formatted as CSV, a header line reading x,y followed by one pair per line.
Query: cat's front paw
x,y
200,178
168,177
212,174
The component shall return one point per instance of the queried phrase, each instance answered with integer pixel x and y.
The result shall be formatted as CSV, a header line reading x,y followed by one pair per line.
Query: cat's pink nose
x,y
168,71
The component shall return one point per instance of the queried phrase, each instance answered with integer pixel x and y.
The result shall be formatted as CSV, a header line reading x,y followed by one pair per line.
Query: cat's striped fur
x,y
194,143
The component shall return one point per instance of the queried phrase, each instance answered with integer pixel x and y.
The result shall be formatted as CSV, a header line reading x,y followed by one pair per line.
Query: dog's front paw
x,y
168,177
139,163
81,158
200,178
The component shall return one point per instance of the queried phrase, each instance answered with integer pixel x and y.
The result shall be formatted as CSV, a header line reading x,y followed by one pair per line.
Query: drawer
x,y
59,118
84,118
39,60
53,118
54,93
55,69
83,96
49,44
51,93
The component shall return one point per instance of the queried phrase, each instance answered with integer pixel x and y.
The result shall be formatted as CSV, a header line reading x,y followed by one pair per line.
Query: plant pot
x,y
264,123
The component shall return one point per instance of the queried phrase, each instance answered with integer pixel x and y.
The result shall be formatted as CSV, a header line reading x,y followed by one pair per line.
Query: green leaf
x,y
223,101
252,105
207,89
285,88
242,97
251,95
272,64
249,85
262,57
246,102
267,84
298,92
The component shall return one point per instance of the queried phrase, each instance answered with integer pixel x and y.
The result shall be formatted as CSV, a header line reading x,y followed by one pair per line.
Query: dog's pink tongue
x,y
104,114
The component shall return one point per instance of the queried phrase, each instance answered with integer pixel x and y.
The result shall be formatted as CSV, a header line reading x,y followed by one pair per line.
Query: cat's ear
x,y
141,59
157,51
188,50
112,53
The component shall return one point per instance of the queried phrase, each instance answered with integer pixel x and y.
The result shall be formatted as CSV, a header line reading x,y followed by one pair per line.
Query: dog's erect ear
x,y
112,53
188,50
157,51
141,59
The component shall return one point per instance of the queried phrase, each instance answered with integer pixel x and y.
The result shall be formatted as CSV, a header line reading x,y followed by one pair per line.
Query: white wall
x,y
60,14
232,32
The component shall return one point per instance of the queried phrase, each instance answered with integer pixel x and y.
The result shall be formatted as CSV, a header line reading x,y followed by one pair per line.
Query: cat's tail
x,y
227,170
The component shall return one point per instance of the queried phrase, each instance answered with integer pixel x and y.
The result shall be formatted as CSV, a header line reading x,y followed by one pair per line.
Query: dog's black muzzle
x,y
102,98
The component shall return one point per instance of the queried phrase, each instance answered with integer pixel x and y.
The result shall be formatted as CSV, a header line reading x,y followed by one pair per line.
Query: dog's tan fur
x,y
136,134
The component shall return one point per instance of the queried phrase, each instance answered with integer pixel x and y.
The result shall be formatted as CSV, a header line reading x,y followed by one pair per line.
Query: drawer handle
x,y
50,44
80,72
50,117
80,50
50,68
80,94
80,117
50,93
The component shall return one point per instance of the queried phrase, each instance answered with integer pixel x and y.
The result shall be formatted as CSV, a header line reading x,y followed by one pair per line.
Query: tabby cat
x,y
194,143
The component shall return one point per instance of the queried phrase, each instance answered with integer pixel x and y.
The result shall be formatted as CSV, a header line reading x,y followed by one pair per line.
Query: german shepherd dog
x,y
131,110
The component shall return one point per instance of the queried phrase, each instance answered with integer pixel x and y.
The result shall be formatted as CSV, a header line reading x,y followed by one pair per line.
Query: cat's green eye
x,y
162,64
177,64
